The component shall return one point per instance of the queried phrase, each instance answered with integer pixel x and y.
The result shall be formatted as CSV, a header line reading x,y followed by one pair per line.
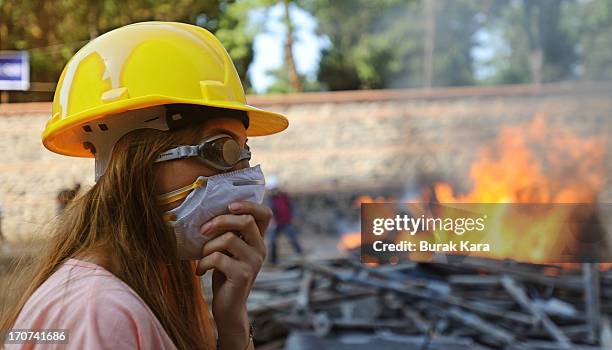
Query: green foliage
x,y
368,40
282,84
594,37
381,43
54,30
539,46
237,34
374,44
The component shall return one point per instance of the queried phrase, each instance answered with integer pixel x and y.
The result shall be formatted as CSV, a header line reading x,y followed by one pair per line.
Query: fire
x,y
350,240
534,162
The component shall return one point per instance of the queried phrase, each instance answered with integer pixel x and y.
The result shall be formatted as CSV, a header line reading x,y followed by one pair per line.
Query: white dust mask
x,y
210,197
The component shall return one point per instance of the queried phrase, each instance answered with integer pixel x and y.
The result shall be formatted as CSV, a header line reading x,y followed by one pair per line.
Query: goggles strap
x,y
177,153
244,154
180,193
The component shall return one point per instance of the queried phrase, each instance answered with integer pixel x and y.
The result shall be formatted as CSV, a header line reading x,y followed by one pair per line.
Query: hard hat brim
x,y
63,136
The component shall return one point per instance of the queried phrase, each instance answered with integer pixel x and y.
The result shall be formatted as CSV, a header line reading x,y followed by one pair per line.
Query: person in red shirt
x,y
282,209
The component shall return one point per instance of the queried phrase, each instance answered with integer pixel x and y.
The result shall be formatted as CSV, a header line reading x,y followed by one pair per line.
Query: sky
x,y
483,53
269,44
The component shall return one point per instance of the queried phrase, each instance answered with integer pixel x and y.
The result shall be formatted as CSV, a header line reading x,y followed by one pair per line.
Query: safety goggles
x,y
219,152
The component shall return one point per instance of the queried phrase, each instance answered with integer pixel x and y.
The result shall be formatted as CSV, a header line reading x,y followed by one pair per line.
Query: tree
x,y
237,34
592,26
52,31
282,83
456,24
381,43
371,41
287,78
539,47
294,77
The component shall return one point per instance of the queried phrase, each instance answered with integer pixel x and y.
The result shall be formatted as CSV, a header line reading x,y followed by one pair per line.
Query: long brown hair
x,y
119,221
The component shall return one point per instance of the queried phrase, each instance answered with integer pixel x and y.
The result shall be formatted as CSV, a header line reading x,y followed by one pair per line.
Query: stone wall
x,y
341,144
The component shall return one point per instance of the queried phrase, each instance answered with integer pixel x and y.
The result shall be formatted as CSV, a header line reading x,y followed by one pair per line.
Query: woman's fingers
x,y
232,244
236,271
243,224
260,212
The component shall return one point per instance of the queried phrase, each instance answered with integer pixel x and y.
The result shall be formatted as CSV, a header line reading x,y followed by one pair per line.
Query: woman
x,y
161,108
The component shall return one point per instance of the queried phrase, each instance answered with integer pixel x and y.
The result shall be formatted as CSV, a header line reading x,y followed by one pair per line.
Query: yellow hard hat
x,y
139,66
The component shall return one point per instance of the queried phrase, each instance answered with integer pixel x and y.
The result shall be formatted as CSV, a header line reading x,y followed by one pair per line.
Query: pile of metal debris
x,y
449,303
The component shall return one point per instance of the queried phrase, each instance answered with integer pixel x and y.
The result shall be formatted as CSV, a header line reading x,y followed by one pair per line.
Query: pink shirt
x,y
98,309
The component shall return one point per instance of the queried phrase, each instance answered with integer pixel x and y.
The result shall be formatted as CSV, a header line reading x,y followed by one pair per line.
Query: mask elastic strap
x,y
180,193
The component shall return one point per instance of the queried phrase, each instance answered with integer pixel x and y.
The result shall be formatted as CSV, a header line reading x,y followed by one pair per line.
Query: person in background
x,y
282,210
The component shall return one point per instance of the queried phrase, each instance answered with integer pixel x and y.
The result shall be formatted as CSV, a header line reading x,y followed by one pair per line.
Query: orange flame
x,y
534,162
350,240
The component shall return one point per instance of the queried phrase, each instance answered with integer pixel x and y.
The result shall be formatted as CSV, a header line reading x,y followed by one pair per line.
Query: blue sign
x,y
14,70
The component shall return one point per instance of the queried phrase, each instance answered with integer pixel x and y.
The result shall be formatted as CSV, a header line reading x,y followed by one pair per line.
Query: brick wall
x,y
345,142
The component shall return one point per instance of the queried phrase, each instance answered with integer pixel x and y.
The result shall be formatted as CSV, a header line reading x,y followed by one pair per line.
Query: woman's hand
x,y
236,253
